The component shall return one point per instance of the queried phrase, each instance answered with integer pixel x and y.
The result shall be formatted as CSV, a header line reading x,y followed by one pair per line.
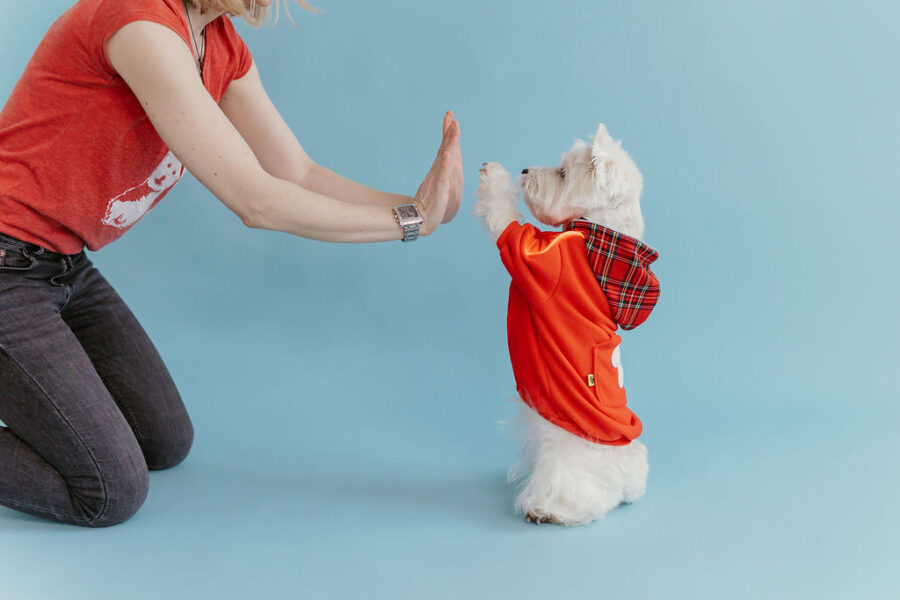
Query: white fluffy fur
x,y
564,478
570,481
496,196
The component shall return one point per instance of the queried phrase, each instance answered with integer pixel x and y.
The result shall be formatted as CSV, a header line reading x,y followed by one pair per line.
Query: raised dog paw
x,y
495,189
493,177
496,198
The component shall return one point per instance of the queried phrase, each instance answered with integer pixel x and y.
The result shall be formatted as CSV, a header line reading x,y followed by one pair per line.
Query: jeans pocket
x,y
15,260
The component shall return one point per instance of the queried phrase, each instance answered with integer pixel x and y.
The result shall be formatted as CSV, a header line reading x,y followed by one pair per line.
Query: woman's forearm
x,y
328,183
283,206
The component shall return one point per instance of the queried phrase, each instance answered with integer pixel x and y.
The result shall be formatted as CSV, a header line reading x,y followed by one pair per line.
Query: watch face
x,y
407,211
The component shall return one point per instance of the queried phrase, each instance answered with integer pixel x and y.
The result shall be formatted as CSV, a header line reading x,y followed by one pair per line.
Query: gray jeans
x,y
88,404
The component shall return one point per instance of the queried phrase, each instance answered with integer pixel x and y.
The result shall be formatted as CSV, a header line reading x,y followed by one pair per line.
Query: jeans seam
x,y
38,509
65,286
72,429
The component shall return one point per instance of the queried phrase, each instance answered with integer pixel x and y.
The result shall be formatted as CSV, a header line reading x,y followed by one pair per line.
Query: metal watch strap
x,y
410,232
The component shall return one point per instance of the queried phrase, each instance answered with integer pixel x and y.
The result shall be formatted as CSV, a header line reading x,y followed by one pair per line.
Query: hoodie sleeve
x,y
533,259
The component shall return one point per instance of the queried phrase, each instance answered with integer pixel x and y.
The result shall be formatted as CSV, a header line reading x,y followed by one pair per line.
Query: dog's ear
x,y
602,136
604,171
601,159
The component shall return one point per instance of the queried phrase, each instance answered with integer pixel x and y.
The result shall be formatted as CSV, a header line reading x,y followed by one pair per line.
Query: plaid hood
x,y
622,266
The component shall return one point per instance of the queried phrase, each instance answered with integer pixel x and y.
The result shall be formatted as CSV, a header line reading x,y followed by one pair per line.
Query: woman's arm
x,y
193,126
249,108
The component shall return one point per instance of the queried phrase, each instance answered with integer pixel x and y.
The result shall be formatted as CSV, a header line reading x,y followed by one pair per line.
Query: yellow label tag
x,y
591,380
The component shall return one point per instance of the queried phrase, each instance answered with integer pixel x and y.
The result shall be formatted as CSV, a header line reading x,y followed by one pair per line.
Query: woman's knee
x,y
169,449
120,494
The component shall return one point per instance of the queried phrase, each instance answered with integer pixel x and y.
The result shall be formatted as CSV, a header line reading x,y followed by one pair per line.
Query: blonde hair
x,y
255,14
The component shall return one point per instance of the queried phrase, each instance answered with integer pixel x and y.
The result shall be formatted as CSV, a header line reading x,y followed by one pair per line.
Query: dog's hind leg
x,y
567,480
634,471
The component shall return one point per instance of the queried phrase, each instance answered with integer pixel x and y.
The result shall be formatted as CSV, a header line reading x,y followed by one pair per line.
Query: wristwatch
x,y
408,217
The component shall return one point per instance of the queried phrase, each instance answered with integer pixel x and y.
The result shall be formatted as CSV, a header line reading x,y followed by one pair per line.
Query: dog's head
x,y
599,182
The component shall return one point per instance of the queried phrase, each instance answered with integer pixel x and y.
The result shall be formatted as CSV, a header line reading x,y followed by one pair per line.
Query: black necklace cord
x,y
201,52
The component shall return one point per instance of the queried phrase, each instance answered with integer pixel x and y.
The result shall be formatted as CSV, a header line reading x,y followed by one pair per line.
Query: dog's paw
x,y
493,176
496,199
495,188
538,519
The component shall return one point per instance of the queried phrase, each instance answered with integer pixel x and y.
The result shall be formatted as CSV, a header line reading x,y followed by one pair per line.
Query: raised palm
x,y
456,172
440,193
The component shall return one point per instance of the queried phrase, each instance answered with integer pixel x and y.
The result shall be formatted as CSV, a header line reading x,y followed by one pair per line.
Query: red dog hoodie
x,y
570,291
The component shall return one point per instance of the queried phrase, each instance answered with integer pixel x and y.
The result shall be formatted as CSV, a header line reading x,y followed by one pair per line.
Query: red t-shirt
x,y
80,162
562,334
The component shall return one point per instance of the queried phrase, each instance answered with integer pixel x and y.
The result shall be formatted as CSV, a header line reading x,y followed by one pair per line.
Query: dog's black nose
x,y
524,171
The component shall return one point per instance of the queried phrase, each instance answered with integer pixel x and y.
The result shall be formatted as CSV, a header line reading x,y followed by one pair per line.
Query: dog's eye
x,y
562,173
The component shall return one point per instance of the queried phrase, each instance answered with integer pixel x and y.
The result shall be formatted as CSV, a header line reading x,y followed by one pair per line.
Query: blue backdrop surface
x,y
338,456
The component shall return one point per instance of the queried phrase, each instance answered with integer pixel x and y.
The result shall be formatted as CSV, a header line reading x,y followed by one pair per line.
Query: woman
x,y
117,100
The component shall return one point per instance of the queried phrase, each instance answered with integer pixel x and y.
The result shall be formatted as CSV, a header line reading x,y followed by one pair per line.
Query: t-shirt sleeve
x,y
533,259
113,15
240,58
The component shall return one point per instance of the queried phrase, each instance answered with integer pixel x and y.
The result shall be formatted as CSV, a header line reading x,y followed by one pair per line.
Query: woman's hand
x,y
434,196
456,174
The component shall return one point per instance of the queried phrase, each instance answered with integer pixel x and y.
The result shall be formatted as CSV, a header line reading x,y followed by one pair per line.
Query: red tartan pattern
x,y
622,267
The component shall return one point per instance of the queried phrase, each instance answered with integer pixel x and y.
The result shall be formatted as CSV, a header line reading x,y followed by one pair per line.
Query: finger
x,y
448,119
445,139
454,120
449,144
453,146
453,133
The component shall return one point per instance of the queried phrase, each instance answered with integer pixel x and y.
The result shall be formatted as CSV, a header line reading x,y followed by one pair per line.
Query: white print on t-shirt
x,y
617,363
127,208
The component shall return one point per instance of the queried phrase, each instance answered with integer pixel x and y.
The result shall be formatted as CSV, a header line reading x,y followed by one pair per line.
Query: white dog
x,y
570,292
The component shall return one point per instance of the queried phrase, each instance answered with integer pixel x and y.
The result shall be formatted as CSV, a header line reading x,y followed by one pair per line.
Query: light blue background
x,y
340,456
